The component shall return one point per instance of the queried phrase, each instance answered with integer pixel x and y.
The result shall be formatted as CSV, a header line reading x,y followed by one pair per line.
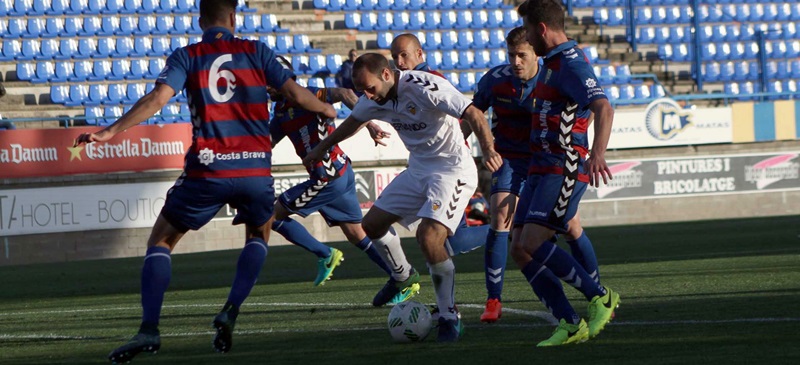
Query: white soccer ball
x,y
409,322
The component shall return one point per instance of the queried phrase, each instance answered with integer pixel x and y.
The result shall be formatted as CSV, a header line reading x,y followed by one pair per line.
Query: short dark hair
x,y
517,36
548,12
372,62
215,10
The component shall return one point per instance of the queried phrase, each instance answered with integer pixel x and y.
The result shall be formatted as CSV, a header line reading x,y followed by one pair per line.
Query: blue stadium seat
x,y
48,49
756,13
480,18
464,40
434,59
81,71
384,39
626,93
133,92
383,20
195,29
130,6
91,26
644,15
368,21
727,71
622,74
127,25
401,20
352,20
711,72
57,7
122,48
59,94
72,26
432,20
480,40
97,94
247,23
109,25
497,57
75,7
160,47
449,60
34,28
431,4
657,91
479,4
482,58
416,20
177,42
154,67
494,18
333,62
243,8
27,71
646,35
300,64
110,114
11,49
86,48
52,27
732,33
511,18
147,6
100,70
433,41
462,4
300,44
144,25
94,7
119,70
169,113
447,4
463,19
116,94
141,45
64,70
497,39
790,86
30,48
449,40
316,64
465,60
452,77
93,114
399,5
38,8
448,20
316,82
330,81
138,68
166,24
77,95
16,27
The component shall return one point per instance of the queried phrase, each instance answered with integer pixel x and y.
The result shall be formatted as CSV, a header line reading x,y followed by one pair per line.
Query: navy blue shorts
x,y
336,199
510,178
191,203
549,200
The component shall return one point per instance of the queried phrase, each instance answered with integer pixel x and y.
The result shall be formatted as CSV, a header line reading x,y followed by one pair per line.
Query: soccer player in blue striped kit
x,y
229,161
566,93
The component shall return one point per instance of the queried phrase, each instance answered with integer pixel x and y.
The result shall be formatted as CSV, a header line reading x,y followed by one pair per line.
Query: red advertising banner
x,y
49,152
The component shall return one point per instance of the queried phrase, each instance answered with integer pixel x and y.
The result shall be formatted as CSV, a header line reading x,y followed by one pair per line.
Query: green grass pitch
x,y
711,292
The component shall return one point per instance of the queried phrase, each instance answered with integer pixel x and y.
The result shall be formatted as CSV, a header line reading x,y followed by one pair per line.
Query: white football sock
x,y
392,253
443,277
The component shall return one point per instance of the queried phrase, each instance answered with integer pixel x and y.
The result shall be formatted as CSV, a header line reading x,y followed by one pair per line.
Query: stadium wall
x,y
599,209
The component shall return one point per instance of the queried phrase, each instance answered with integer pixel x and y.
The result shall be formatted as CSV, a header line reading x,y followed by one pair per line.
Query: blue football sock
x,y
156,273
548,288
466,239
248,267
583,252
494,262
293,231
565,267
369,249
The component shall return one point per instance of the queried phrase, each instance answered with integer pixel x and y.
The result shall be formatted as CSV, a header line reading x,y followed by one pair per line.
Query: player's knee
x,y
373,229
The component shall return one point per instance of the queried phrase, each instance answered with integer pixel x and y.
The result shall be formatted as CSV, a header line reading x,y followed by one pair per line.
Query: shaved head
x,y
406,51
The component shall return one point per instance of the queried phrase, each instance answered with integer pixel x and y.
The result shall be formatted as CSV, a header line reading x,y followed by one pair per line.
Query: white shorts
x,y
439,195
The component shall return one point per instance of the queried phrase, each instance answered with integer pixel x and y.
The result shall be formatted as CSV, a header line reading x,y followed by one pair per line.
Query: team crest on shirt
x,y
412,108
206,156
436,205
218,36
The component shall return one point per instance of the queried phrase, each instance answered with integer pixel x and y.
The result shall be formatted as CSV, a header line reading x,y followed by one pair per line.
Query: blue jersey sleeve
x,y
275,132
175,70
483,96
579,82
276,74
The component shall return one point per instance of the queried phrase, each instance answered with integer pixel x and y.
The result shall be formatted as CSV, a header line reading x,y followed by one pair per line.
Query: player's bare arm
x,y
344,95
144,108
596,165
306,99
465,128
474,118
344,131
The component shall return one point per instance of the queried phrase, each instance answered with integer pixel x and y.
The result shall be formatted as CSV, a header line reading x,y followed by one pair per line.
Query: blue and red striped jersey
x,y
511,100
565,87
306,129
225,80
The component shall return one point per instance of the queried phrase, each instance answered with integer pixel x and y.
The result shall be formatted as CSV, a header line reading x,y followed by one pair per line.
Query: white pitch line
x,y
53,336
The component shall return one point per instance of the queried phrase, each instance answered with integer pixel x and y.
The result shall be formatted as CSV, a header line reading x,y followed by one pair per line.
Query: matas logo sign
x,y
145,147
17,153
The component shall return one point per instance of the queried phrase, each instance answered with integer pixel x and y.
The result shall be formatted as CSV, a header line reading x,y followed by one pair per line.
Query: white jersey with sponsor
x,y
426,115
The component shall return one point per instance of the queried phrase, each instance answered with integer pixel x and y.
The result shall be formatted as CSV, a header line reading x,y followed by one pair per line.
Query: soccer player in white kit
x,y
434,190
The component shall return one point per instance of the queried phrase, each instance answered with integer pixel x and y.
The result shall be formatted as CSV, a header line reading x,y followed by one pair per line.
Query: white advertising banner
x,y
665,123
122,206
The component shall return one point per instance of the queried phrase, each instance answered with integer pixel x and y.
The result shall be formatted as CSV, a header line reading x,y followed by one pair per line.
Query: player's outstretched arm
x,y
306,99
345,95
474,117
596,165
144,108
344,131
